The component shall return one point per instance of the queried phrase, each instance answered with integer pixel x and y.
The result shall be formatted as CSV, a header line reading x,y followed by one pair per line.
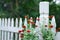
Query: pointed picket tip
x,y
25,22
53,22
20,23
12,22
9,22
31,18
0,22
6,23
16,22
36,21
36,18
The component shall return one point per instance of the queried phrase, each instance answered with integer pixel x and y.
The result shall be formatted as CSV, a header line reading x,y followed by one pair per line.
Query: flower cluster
x,y
28,33
48,34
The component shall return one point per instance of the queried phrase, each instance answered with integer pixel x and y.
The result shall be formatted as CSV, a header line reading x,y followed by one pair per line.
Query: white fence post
x,y
0,30
44,13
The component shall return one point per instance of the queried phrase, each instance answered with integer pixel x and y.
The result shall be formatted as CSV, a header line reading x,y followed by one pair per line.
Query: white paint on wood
x,y
2,22
12,25
53,22
8,36
0,26
25,22
20,26
44,7
16,25
6,24
44,13
20,23
9,22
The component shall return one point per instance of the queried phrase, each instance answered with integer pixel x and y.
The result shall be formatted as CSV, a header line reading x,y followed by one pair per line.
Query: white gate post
x,y
44,13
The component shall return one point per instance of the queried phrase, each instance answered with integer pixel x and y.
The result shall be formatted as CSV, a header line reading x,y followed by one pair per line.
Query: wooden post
x,y
44,13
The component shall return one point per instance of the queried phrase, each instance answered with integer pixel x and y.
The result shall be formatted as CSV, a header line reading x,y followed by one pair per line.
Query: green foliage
x,y
20,8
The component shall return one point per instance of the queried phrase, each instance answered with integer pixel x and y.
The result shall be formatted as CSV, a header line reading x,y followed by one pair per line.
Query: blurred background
x,y
21,8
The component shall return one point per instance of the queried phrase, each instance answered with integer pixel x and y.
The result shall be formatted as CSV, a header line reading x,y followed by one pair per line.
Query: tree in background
x,y
20,8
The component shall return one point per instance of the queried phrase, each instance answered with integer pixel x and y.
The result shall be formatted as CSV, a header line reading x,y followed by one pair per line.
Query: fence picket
x,y
20,23
38,28
0,30
20,26
31,21
12,25
16,25
2,26
8,27
5,26
54,24
25,22
6,23
2,22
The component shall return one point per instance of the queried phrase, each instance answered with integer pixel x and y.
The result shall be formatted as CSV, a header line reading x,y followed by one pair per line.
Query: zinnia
x,y
21,35
24,26
32,23
28,31
51,26
21,31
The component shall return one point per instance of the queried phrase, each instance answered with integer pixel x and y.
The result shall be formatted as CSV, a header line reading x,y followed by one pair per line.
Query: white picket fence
x,y
9,31
9,28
